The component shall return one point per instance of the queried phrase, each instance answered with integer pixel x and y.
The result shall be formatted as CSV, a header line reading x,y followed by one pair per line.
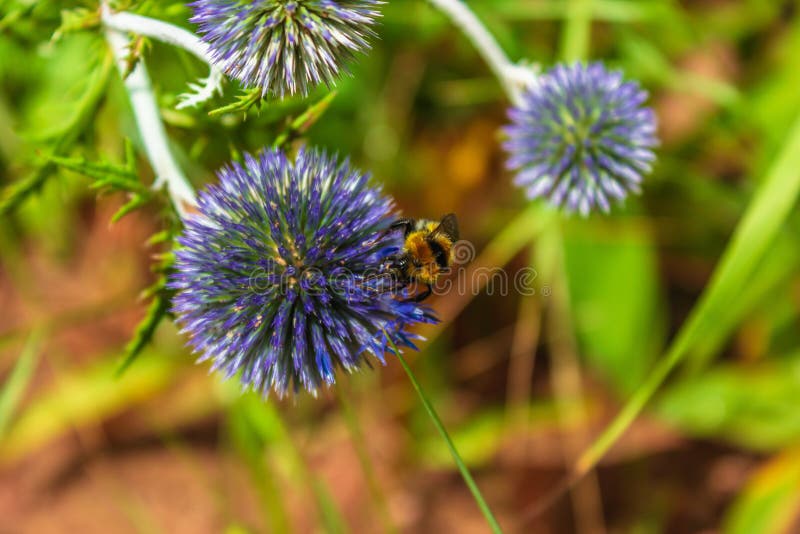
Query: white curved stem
x,y
513,77
171,34
151,129
159,30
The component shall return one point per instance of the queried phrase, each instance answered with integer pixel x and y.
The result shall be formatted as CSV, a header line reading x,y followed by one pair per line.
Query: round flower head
x,y
272,273
284,46
581,137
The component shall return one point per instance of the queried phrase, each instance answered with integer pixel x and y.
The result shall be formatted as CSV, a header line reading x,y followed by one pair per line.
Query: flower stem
x,y
171,34
577,30
148,121
512,77
159,30
473,487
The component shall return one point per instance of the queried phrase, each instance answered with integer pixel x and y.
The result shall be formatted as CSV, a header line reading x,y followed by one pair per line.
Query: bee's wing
x,y
448,226
404,223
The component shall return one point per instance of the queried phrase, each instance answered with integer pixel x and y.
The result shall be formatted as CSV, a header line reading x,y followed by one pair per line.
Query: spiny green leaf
x,y
158,308
16,193
19,191
161,297
160,237
244,102
105,174
112,177
136,202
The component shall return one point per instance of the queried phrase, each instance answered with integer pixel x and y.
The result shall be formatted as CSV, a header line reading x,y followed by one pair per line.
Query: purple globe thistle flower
x,y
284,46
581,137
272,274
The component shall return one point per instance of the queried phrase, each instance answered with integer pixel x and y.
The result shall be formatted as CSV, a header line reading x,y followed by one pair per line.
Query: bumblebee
x,y
427,252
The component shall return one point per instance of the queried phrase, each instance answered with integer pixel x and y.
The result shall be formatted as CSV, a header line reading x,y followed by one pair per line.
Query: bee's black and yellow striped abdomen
x,y
427,249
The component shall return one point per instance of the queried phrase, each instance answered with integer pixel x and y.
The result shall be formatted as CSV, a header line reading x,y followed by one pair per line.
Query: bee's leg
x,y
389,283
386,282
425,294
370,279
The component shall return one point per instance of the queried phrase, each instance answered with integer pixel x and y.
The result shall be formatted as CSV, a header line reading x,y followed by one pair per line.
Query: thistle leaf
x,y
105,174
158,292
136,202
16,193
163,236
244,102
157,310
111,177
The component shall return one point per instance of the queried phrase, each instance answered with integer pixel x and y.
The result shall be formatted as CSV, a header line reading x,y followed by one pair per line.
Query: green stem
x,y
577,30
357,435
13,389
473,487
766,213
483,40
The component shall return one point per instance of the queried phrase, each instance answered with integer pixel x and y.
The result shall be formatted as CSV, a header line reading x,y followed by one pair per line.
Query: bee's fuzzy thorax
x,y
427,249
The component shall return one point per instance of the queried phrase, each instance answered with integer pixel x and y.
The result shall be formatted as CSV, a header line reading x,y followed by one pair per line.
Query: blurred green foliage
x,y
421,112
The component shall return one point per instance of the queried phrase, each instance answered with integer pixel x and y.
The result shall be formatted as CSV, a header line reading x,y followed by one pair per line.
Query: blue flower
x,y
581,137
284,46
272,275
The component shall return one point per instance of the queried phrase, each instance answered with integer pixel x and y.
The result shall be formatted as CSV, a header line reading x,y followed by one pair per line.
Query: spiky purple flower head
x,y
271,275
581,137
284,46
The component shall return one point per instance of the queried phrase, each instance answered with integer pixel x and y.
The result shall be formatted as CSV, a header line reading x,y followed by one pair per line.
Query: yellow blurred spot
x,y
468,159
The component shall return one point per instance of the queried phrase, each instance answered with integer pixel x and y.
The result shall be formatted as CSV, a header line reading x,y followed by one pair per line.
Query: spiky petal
x,y
285,46
581,138
270,275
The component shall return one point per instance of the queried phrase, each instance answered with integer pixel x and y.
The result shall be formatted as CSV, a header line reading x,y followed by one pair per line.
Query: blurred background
x,y
523,383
